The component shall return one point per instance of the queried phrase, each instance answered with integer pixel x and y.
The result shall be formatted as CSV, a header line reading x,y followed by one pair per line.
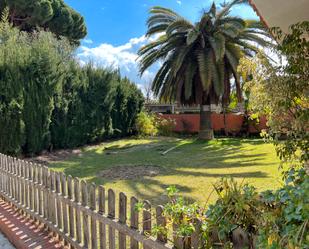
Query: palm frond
x,y
217,43
205,61
226,10
180,58
189,76
219,78
228,20
179,25
160,28
162,10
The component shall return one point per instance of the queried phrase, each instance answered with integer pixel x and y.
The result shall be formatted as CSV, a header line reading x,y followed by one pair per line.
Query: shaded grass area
x,y
192,167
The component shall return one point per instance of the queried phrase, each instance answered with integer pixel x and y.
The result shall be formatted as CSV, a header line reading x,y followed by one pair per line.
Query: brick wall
x,y
190,123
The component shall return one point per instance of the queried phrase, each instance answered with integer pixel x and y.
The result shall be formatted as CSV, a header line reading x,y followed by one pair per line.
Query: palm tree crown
x,y
199,61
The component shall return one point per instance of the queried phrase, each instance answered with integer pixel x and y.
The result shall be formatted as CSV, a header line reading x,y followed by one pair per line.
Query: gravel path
x,y
4,243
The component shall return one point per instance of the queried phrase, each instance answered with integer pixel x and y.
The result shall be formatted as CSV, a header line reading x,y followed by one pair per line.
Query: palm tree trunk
x,y
206,131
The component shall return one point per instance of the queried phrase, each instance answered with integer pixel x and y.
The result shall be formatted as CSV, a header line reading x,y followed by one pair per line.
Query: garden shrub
x,y
238,206
129,101
165,126
146,125
286,222
12,60
271,219
43,74
49,101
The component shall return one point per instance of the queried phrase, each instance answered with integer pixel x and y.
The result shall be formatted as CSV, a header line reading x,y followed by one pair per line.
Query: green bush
x,y
271,220
165,126
146,125
12,61
286,222
49,101
129,101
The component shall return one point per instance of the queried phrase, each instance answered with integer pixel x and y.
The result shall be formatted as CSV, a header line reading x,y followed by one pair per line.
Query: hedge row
x,y
48,100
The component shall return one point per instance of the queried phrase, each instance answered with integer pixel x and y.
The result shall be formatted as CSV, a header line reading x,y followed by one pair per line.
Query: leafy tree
x,y
199,60
52,15
280,91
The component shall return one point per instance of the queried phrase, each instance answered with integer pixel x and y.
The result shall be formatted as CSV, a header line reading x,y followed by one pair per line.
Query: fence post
x,y
134,221
161,221
64,189
93,208
59,208
85,215
111,215
122,218
77,211
71,214
102,227
147,220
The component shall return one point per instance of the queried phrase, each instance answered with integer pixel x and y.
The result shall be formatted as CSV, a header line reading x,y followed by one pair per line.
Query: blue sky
x,y
116,29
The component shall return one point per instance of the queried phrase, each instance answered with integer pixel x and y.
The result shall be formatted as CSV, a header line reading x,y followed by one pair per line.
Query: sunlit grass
x,y
192,167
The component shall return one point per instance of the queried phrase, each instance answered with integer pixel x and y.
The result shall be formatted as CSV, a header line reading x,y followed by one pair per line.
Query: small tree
x,y
280,91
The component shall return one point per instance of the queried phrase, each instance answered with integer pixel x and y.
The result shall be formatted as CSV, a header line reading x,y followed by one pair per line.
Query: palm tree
x,y
199,61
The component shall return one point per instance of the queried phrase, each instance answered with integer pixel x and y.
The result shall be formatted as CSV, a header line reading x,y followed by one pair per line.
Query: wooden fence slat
x,y
71,210
85,196
93,207
161,221
122,219
147,220
45,192
102,227
64,191
77,200
30,186
59,208
53,207
134,221
35,193
40,197
178,241
111,215
195,238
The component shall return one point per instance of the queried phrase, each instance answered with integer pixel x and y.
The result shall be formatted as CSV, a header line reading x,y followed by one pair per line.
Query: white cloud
x,y
123,57
179,2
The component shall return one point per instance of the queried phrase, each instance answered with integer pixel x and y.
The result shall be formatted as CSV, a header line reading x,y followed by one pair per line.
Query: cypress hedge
x,y
49,101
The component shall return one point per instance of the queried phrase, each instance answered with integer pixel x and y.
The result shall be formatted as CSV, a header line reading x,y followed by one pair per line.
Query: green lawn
x,y
193,166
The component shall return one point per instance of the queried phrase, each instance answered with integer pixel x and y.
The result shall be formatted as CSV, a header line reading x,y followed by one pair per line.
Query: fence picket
x,y
93,207
134,221
102,226
85,216
77,200
111,215
71,210
147,220
64,191
122,219
59,208
161,221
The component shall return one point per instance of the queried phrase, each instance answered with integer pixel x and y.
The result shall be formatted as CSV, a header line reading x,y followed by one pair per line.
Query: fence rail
x,y
83,215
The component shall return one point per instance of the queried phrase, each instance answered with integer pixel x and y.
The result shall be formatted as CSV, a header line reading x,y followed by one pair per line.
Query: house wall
x,y
190,123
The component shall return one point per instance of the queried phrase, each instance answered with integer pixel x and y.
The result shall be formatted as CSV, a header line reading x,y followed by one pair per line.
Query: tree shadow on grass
x,y
190,160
